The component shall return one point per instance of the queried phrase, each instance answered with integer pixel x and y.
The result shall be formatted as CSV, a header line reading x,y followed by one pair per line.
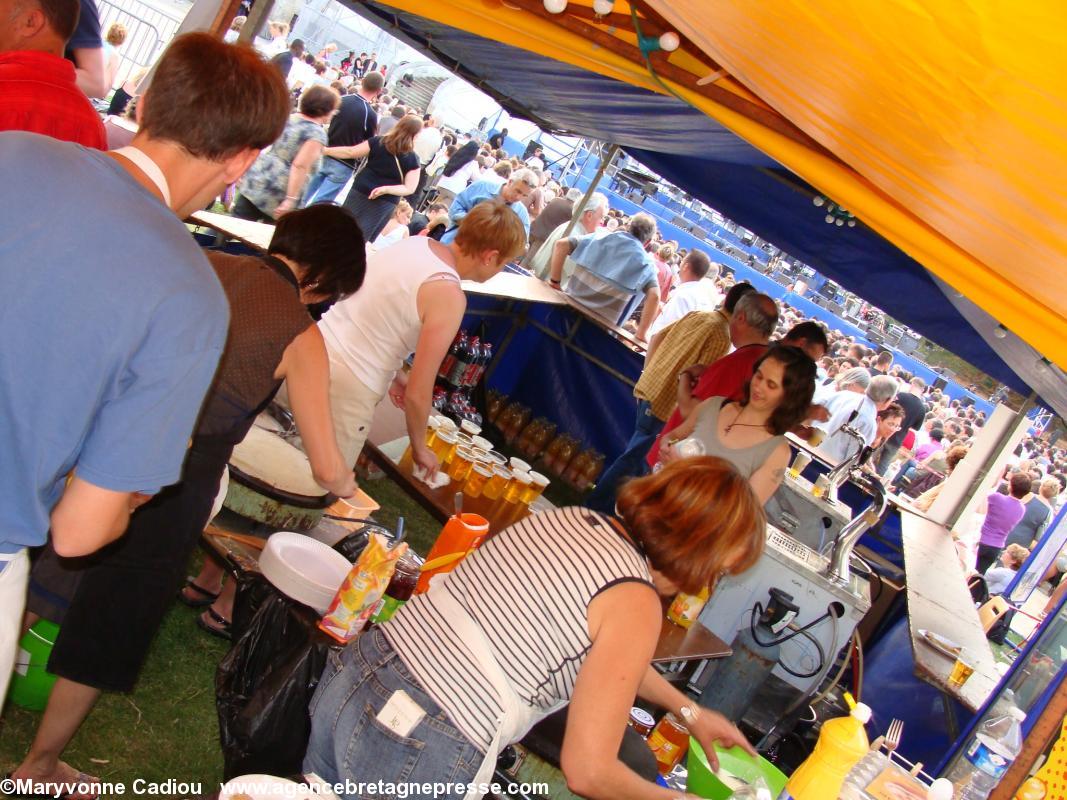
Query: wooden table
x,y
939,601
256,235
511,286
677,644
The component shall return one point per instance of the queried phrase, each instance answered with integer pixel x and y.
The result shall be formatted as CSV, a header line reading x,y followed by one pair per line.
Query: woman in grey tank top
x,y
750,432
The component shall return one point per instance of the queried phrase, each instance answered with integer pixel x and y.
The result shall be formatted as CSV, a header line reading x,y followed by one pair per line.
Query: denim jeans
x,y
631,464
348,743
327,183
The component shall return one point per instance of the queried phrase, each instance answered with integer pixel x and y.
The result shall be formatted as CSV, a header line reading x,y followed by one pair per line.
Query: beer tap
x,y
839,474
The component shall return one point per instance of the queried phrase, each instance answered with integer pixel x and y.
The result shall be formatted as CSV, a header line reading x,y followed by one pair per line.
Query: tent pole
x,y
1002,443
604,164
257,18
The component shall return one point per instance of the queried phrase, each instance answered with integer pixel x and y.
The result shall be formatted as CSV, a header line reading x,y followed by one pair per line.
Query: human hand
x,y
693,373
711,728
346,485
377,192
398,388
667,452
818,413
424,459
284,207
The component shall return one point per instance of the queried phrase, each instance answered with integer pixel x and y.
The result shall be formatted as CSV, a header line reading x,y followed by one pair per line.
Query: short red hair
x,y
696,519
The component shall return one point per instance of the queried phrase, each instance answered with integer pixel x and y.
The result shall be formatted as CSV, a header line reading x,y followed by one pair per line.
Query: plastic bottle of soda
x,y
476,368
483,363
458,344
463,362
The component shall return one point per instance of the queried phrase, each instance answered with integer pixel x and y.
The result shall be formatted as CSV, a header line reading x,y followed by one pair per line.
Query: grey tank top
x,y
746,459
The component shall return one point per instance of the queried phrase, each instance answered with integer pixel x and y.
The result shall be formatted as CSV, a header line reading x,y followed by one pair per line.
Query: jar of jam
x,y
400,588
669,742
687,607
641,721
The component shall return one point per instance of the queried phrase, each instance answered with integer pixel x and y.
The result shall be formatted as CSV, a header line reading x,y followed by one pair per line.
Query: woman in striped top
x,y
563,607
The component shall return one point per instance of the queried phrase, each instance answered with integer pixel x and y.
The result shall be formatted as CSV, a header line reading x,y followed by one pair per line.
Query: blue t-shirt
x,y
479,192
112,324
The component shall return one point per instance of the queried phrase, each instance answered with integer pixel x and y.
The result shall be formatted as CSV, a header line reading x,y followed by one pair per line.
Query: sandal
x,y
221,628
206,598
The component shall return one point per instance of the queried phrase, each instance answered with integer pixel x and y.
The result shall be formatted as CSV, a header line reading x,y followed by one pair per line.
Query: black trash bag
x,y
263,687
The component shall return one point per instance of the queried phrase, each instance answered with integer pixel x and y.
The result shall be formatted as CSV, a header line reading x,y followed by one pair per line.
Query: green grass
x,y
167,728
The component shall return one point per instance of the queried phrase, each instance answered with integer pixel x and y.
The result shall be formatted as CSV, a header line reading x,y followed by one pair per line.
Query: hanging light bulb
x,y
839,222
852,223
555,6
818,200
829,218
1000,332
603,7
669,41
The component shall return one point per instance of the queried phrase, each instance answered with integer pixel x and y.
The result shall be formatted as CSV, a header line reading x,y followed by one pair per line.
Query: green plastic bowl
x,y
31,683
703,783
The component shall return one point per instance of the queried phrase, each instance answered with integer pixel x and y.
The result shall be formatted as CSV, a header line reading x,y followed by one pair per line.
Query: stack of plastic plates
x,y
299,567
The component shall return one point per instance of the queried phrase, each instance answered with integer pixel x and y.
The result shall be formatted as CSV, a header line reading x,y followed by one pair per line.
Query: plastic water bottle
x,y
994,747
868,768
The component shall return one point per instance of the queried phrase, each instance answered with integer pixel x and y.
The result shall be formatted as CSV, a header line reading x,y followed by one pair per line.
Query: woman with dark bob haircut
x,y
750,432
560,609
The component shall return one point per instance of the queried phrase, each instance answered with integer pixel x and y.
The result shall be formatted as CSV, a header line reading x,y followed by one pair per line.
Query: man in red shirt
x,y
38,88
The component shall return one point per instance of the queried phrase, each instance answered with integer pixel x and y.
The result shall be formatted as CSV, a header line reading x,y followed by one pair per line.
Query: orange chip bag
x,y
361,590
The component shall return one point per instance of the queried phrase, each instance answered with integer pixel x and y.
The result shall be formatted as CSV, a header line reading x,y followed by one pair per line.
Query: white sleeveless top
x,y
375,329
385,240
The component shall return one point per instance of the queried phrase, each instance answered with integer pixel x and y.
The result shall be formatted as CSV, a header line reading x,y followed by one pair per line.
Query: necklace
x,y
736,424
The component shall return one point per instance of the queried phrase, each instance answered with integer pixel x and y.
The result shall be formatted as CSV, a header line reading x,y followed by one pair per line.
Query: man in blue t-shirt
x,y
514,192
113,321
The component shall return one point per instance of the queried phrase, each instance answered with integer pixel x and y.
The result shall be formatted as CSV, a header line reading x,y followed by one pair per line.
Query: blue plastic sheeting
x,y
893,691
692,151
552,378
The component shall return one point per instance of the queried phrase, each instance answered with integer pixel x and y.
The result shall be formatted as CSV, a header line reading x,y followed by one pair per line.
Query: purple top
x,y
926,449
1004,514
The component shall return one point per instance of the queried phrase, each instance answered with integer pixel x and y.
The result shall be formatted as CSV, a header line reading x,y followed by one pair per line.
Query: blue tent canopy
x,y
691,150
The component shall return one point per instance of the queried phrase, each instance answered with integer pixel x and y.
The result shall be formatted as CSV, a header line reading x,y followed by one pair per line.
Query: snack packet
x,y
361,590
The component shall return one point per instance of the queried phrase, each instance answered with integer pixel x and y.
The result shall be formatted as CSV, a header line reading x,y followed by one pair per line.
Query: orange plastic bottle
x,y
458,537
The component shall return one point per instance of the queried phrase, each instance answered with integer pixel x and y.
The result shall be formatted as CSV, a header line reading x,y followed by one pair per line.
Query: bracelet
x,y
292,197
553,282
690,714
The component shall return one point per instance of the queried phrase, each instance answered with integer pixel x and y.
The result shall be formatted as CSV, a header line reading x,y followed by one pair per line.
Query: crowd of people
x,y
158,357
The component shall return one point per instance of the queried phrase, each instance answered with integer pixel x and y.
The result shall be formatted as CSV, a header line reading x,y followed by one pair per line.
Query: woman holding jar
x,y
560,609
750,433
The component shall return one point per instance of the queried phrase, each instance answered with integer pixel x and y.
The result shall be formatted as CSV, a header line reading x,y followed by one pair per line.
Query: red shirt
x,y
38,93
723,378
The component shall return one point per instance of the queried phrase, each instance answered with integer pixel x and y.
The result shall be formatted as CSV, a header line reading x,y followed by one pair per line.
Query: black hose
x,y
757,611
818,669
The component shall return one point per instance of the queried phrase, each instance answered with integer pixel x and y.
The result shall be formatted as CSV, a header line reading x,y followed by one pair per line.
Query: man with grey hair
x,y
842,405
556,213
589,221
517,189
612,272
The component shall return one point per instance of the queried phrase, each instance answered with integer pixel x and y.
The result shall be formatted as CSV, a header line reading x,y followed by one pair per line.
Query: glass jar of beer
x,y
494,404
494,489
538,484
576,469
445,445
517,487
477,479
461,464
589,476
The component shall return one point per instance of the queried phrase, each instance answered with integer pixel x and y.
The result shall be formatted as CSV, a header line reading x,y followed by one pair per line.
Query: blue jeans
x,y
327,183
631,464
349,744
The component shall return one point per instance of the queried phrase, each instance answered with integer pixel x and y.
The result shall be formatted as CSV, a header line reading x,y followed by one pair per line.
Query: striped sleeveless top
x,y
528,588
